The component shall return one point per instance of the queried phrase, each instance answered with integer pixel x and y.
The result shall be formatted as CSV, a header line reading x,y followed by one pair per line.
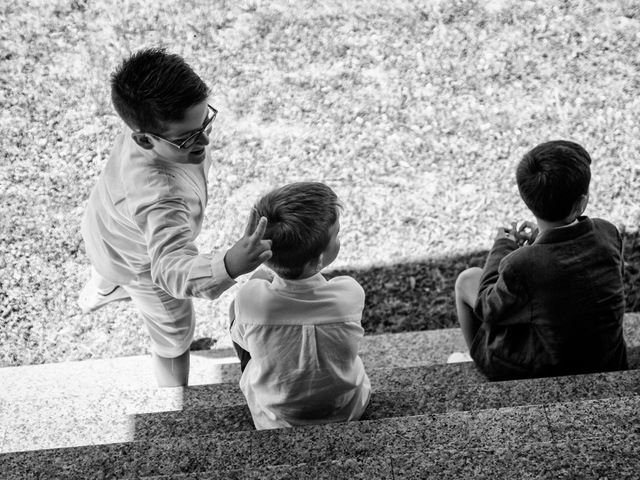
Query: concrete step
x,y
107,417
207,366
116,376
152,399
550,460
396,392
608,427
100,417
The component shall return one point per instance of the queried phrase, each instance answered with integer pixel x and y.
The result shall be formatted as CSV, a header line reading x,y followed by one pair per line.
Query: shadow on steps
x,y
402,392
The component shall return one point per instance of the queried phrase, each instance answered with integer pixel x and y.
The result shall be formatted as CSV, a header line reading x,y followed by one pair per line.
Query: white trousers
x,y
169,321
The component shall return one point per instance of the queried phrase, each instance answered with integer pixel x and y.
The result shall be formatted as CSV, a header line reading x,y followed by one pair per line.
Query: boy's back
x,y
297,334
559,306
303,338
551,305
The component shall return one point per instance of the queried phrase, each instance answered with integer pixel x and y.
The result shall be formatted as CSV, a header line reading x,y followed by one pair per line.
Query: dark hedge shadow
x,y
411,296
420,295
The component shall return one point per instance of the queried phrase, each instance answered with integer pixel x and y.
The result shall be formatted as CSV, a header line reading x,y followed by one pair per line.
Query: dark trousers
x,y
243,355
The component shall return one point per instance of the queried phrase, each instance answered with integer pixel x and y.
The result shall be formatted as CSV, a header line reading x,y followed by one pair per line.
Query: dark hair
x,y
299,216
152,88
551,178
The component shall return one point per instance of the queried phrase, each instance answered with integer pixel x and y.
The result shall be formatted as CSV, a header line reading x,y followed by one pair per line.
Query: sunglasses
x,y
186,143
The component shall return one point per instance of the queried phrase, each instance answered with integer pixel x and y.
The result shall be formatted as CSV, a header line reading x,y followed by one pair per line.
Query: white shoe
x,y
459,357
91,299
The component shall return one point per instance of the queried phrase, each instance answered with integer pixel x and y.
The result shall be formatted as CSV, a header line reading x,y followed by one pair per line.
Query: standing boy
x,y
297,334
555,306
147,208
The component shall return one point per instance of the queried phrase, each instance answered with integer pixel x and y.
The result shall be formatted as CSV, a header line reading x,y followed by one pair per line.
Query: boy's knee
x,y
468,282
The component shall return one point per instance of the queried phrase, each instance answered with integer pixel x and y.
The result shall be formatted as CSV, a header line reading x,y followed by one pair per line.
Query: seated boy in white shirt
x,y
297,334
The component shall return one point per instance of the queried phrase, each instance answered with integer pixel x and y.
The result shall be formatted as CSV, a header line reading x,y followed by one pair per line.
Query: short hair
x,y
152,88
299,216
551,178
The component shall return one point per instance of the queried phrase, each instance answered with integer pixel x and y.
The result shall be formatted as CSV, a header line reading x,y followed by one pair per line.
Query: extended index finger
x,y
251,226
260,229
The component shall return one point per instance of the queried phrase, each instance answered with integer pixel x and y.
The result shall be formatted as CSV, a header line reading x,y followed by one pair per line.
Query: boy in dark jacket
x,y
551,302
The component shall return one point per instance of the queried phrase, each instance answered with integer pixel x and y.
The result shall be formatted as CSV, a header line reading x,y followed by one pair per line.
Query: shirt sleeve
x,y
500,292
237,330
351,297
176,265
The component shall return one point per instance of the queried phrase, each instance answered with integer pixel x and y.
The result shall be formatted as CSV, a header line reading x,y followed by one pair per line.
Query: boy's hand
x,y
523,234
527,233
251,250
504,232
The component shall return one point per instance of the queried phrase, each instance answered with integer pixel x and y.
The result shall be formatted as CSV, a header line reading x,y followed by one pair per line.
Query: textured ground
x,y
414,112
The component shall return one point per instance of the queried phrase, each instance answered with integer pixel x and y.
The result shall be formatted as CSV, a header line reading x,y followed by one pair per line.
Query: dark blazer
x,y
555,307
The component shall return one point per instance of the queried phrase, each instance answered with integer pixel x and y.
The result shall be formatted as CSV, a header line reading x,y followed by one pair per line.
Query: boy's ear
x,y
581,204
142,140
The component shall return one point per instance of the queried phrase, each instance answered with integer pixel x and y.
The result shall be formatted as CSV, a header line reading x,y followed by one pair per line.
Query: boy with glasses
x,y
147,208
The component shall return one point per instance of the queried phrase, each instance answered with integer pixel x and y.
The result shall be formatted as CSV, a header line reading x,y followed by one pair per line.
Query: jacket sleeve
x,y
176,265
501,294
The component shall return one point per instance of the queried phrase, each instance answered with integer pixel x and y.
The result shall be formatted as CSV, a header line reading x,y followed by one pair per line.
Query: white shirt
x,y
303,337
141,221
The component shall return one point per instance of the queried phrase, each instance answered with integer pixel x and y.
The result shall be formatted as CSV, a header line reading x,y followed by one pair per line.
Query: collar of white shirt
x,y
309,283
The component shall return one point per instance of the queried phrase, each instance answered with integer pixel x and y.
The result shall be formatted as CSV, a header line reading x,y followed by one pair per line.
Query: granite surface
x,y
543,460
108,376
113,376
204,409
614,418
588,459
610,423
365,469
135,414
137,429
117,375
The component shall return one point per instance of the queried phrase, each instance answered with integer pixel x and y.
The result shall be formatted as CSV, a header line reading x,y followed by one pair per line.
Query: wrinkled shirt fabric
x,y
142,219
303,338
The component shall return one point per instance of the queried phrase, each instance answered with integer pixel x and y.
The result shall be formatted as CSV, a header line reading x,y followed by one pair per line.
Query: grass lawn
x,y
414,112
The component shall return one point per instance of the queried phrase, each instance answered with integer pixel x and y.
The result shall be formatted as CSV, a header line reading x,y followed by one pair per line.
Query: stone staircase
x,y
427,419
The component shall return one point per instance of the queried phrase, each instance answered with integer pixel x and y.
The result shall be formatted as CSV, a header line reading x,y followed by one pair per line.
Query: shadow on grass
x,y
420,295
415,296
411,296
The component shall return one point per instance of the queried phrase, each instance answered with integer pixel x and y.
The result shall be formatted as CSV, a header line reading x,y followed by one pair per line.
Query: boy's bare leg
x,y
467,286
171,372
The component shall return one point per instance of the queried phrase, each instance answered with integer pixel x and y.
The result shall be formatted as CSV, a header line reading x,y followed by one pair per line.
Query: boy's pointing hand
x,y
251,250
